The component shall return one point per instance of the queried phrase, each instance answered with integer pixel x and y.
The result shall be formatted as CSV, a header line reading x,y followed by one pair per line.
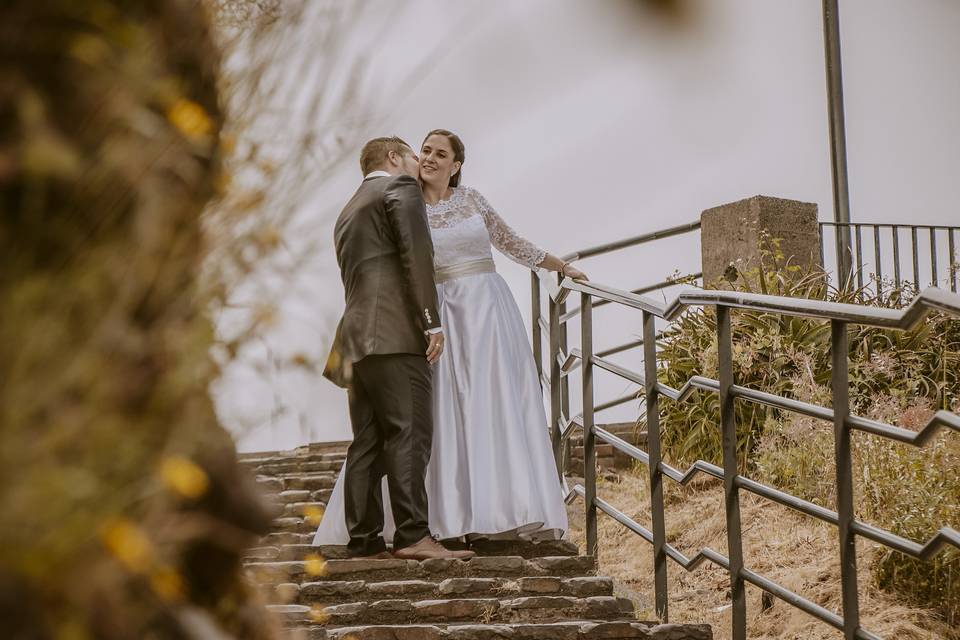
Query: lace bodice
x,y
465,226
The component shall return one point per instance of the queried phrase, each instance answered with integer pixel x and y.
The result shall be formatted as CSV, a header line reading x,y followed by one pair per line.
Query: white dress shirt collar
x,y
377,174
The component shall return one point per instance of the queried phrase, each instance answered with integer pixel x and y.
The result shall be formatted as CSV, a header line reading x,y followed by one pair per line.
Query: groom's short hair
x,y
374,153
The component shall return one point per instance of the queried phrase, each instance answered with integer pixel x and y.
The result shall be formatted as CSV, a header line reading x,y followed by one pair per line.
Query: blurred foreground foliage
x,y
124,512
898,377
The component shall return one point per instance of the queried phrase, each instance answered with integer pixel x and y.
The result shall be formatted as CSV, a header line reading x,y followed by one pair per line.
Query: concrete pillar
x,y
733,234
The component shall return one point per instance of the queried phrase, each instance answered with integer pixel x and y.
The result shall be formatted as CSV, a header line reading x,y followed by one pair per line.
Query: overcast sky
x,y
586,121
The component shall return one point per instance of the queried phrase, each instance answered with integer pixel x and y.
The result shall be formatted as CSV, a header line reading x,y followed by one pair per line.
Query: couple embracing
x,y
449,431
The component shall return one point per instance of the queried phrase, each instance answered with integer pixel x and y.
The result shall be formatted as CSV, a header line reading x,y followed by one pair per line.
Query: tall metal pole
x,y
838,139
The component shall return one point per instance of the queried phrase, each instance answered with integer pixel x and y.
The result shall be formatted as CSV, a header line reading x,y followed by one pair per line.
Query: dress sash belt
x,y
464,269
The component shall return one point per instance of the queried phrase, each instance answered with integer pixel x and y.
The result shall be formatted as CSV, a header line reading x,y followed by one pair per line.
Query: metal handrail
x,y
633,241
840,315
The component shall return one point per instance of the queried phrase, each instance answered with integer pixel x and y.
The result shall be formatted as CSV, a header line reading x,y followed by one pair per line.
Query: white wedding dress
x,y
491,468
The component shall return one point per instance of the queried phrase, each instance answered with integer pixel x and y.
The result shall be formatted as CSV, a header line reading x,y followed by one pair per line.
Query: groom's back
x,y
360,231
380,315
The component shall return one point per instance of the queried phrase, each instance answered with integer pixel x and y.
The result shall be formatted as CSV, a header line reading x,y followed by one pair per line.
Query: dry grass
x,y
794,551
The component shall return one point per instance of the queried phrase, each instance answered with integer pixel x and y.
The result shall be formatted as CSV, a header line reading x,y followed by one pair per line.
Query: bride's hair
x,y
459,154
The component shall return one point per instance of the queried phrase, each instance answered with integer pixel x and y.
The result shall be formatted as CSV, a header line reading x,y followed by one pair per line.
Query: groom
x,y
388,337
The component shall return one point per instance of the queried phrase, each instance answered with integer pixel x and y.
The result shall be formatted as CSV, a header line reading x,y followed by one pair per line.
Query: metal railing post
x,y
840,382
589,438
563,453
934,276
859,266
878,268
916,258
555,384
952,273
728,426
895,234
658,519
536,334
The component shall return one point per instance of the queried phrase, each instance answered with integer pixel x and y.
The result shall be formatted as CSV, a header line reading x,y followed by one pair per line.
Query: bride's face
x,y
436,161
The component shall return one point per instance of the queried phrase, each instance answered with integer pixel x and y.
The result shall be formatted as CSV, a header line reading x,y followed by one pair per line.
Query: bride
x,y
491,468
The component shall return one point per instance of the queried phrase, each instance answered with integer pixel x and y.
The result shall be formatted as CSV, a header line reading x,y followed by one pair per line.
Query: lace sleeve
x,y
505,239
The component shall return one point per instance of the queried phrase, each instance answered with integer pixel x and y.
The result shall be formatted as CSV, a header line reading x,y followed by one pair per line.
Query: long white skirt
x,y
491,468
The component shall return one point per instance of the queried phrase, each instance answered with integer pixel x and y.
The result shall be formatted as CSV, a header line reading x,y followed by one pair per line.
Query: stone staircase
x,y
512,589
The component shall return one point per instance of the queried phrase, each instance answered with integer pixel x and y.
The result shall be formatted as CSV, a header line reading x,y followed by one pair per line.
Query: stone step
x,y
314,447
297,466
309,481
295,548
283,538
316,496
294,524
303,509
570,630
285,456
277,572
344,591
269,484
506,610
294,495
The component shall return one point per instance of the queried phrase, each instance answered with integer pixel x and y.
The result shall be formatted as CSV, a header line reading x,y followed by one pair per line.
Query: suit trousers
x,y
391,414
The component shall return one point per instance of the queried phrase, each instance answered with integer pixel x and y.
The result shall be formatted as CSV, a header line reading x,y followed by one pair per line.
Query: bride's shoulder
x,y
471,194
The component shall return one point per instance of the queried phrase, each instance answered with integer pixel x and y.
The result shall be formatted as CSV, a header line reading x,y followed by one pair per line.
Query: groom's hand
x,y
434,347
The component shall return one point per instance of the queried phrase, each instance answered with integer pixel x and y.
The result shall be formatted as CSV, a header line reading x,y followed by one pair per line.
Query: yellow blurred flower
x,y
184,477
319,614
312,515
190,118
315,565
167,584
128,544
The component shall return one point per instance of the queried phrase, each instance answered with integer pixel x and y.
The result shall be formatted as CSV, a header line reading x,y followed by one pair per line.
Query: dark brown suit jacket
x,y
385,255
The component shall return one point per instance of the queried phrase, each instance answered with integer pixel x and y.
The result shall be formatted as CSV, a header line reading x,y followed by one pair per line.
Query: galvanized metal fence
x,y
878,249
561,360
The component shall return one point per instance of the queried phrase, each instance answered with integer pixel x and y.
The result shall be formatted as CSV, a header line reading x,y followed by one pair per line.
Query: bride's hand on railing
x,y
572,272
551,262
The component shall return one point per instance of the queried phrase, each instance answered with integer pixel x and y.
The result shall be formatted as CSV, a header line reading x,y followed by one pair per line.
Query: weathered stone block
x,y
589,586
480,632
540,585
733,235
332,589
393,607
681,632
496,564
457,609
412,632
400,587
461,586
570,565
